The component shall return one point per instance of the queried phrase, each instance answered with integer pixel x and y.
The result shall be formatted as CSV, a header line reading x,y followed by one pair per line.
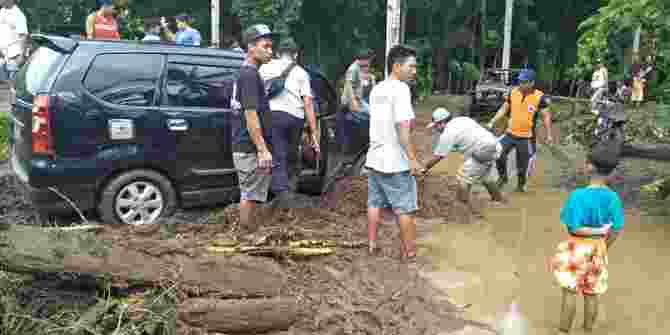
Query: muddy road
x,y
486,264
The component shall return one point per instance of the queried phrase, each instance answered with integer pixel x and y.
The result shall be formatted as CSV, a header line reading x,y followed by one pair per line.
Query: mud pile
x,y
436,197
347,291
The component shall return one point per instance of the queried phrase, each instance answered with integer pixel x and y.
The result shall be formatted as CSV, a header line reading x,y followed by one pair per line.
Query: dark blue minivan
x,y
133,130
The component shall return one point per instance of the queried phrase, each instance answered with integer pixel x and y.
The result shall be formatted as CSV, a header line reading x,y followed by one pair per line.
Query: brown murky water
x,y
503,258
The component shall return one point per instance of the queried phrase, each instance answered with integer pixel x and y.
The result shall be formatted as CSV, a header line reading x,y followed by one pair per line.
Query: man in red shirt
x,y
101,25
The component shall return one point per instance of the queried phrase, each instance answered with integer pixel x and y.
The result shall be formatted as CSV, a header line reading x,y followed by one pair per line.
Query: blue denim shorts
x,y
8,71
392,190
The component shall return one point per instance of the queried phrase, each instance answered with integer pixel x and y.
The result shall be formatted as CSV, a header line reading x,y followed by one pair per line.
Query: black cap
x,y
255,32
183,17
364,53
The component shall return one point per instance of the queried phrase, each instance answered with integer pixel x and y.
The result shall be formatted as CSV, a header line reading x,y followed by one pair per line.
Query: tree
x,y
621,17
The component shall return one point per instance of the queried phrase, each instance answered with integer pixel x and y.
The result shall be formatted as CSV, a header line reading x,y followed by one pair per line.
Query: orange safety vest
x,y
523,112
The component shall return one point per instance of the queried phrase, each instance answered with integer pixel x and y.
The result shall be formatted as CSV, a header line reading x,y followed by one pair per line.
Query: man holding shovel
x,y
480,147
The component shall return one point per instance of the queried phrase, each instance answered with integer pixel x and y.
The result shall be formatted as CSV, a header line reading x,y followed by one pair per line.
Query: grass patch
x,y
4,137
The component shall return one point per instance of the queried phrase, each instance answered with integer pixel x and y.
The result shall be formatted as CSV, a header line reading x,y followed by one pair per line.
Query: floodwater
x,y
502,259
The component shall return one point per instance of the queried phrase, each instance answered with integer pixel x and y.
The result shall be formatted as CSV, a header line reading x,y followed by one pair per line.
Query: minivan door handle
x,y
177,124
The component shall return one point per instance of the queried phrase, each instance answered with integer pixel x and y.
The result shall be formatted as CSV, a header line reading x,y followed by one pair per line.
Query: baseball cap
x,y
527,75
255,32
183,17
439,114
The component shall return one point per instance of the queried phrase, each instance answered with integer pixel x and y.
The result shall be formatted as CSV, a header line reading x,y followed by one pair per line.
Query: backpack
x,y
276,85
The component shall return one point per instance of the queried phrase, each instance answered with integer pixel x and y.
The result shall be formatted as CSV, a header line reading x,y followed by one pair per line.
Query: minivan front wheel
x,y
137,197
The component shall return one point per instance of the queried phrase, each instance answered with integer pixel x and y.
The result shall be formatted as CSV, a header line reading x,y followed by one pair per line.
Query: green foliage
x,y
424,80
619,18
331,31
154,314
131,27
4,136
278,14
470,71
545,72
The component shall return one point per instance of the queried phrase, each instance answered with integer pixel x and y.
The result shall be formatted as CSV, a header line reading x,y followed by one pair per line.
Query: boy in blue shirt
x,y
594,219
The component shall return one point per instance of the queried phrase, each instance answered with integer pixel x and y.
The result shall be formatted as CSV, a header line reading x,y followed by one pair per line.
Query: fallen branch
x,y
143,262
239,317
272,251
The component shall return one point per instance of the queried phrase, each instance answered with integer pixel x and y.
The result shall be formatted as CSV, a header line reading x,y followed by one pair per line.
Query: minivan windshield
x,y
39,72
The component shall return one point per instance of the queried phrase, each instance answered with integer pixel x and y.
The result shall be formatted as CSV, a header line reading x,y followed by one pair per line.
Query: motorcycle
x,y
609,136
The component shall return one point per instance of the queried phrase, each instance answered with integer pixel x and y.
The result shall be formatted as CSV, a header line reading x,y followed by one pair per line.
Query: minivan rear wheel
x,y
137,197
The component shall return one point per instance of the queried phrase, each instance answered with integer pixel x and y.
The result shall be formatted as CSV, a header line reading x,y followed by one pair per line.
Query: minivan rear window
x,y
39,72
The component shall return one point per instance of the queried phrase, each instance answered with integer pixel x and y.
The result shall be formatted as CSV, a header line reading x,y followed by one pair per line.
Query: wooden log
x,y
239,316
659,152
31,249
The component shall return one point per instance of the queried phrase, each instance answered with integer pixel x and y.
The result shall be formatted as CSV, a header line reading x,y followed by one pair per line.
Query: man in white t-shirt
x,y
391,158
479,146
289,109
13,37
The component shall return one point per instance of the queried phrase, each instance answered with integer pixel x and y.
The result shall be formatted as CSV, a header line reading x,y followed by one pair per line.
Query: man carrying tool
x,y
479,146
391,158
252,125
292,102
523,106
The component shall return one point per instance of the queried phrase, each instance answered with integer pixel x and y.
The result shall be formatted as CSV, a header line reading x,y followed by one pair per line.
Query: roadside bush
x,y
4,137
424,80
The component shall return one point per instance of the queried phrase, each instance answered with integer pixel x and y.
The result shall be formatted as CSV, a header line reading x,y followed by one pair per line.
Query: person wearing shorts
x,y
480,149
391,158
252,126
594,219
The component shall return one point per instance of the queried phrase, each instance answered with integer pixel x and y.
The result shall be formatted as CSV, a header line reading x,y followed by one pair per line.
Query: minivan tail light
x,y
41,133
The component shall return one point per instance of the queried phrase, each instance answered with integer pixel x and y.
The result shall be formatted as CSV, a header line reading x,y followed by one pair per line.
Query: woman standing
x,y
101,24
638,83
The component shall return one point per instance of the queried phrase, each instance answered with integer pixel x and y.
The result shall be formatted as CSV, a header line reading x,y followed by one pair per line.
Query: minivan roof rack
x,y
59,43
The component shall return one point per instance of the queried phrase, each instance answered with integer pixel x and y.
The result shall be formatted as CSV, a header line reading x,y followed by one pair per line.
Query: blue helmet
x,y
527,75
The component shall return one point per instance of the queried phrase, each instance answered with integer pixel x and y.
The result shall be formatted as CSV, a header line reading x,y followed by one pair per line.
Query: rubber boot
x,y
502,180
502,175
494,191
521,186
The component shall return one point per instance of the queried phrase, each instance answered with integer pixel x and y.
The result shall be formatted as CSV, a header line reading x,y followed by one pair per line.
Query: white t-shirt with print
x,y
12,25
390,103
463,134
296,86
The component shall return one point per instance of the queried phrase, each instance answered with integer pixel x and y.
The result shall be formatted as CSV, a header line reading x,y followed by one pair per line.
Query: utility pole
x,y
636,40
215,7
392,28
508,34
482,36
403,20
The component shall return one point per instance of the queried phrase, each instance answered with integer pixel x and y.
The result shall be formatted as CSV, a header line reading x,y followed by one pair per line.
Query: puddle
x,y
502,258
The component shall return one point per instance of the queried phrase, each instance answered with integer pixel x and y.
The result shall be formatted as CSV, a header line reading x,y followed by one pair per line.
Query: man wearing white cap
x,y
479,146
